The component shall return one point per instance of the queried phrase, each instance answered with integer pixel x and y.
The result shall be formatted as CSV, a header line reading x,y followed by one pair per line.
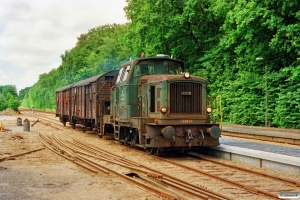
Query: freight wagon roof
x,y
87,81
64,88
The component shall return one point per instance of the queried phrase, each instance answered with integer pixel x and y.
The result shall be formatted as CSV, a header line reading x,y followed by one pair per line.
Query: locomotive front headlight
x,y
186,75
163,109
208,109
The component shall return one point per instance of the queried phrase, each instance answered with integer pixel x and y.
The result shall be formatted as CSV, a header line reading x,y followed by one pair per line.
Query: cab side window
x,y
123,73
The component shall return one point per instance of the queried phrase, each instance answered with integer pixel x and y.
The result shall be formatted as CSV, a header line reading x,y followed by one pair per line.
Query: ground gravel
x,y
44,175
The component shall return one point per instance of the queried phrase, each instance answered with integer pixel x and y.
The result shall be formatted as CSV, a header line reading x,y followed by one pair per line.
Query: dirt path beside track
x,y
44,175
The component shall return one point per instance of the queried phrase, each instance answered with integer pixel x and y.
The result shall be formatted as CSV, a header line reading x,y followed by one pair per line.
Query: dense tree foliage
x,y
23,92
221,40
217,39
254,29
9,97
96,52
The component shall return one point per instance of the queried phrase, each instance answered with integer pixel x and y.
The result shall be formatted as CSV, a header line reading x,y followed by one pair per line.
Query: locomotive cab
x,y
158,106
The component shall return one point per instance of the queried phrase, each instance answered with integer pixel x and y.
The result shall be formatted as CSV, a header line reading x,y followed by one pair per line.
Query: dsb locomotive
x,y
150,103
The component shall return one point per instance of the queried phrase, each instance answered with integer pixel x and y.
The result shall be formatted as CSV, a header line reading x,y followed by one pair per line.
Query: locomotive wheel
x,y
99,134
151,150
132,143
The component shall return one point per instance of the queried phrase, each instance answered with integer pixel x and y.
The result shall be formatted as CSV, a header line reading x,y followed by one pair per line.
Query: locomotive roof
x,y
87,81
153,58
64,88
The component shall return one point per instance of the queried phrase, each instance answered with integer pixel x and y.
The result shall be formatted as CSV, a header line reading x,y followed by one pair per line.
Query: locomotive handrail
x,y
145,106
140,102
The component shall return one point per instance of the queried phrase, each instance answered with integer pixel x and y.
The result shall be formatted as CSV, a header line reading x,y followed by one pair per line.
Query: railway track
x,y
250,180
201,174
96,159
265,185
44,119
44,115
293,141
277,135
225,181
262,138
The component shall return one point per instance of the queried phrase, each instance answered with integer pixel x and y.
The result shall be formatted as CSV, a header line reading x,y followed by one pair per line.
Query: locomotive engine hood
x,y
173,96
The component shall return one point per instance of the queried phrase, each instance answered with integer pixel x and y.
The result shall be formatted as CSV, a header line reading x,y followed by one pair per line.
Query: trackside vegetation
x,y
9,97
217,39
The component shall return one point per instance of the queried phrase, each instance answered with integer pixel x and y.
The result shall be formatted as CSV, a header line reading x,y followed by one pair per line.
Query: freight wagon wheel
x,y
99,134
152,150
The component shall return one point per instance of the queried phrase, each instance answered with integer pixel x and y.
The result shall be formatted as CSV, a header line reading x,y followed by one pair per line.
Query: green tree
x,y
8,97
23,92
96,52
218,40
253,29
13,103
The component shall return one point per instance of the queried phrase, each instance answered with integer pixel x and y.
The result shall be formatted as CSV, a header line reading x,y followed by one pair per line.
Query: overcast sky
x,y
34,33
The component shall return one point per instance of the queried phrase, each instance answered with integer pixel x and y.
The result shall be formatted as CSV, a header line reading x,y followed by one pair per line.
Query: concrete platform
x,y
256,158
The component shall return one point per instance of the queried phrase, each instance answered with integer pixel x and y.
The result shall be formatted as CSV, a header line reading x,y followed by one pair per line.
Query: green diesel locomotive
x,y
156,105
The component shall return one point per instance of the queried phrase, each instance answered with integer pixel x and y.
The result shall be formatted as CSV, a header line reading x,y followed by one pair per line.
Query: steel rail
x,y
77,156
21,154
161,191
93,164
275,139
171,182
49,124
184,187
114,161
248,188
162,184
288,181
182,184
44,118
156,191
129,166
127,162
58,153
